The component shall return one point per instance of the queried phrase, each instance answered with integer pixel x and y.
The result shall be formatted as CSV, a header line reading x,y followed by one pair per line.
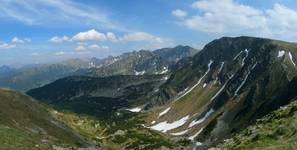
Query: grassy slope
x,y
278,130
24,124
123,129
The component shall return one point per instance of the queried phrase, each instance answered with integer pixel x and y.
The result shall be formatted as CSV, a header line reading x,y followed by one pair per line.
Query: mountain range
x,y
235,88
132,63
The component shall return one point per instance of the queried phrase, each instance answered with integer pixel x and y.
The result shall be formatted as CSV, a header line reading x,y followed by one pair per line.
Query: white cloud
x,y
86,47
7,46
91,35
60,53
94,46
14,43
229,17
141,36
80,48
179,13
35,54
110,36
97,47
221,16
282,21
57,39
17,40
57,13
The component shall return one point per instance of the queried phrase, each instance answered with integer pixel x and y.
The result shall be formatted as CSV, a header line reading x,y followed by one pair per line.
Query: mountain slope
x,y
24,124
277,130
224,87
99,96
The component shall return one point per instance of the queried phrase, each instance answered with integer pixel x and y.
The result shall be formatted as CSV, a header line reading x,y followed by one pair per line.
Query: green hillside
x,y
26,125
277,130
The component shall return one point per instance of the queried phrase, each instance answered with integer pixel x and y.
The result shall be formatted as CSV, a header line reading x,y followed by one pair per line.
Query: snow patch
x,y
204,85
243,82
187,92
243,60
281,53
195,135
165,126
136,109
164,112
166,78
179,133
165,70
153,122
219,92
221,67
291,58
237,55
139,73
196,122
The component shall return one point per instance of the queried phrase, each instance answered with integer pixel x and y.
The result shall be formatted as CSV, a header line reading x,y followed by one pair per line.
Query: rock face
x,y
228,85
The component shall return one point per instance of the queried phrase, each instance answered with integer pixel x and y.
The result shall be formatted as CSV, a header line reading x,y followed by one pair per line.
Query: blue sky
x,y
42,31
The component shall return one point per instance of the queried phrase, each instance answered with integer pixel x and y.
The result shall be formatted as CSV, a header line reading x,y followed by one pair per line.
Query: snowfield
x,y
164,112
291,58
165,126
196,122
136,109
281,53
195,135
187,92
139,73
179,133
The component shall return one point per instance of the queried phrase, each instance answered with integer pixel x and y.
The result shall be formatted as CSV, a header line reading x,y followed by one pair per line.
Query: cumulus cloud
x,y
80,48
179,13
91,35
14,42
57,39
97,47
231,17
88,40
111,36
141,36
17,40
86,47
7,46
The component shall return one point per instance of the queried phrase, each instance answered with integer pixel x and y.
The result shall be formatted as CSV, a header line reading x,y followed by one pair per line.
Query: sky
x,y
42,31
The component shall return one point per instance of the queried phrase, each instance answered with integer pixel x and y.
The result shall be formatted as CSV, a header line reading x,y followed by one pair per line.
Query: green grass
x,y
278,130
123,129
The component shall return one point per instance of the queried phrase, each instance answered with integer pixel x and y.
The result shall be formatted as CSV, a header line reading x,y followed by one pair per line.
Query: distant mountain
x,y
6,70
24,124
99,96
225,87
34,76
139,62
132,63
